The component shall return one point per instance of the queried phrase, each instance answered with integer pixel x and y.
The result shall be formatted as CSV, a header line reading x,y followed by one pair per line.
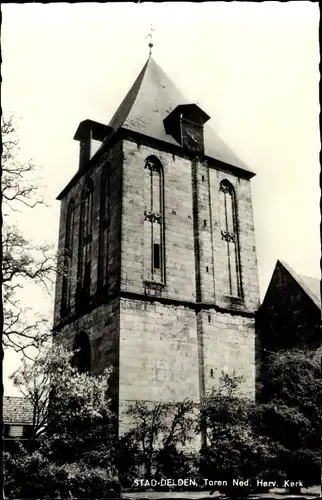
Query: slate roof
x,y
149,101
16,410
151,98
311,286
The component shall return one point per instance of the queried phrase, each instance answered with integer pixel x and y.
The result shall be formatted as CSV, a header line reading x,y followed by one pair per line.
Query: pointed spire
x,y
152,97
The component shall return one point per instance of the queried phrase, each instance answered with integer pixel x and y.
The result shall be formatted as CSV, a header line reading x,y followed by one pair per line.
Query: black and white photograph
x,y
161,279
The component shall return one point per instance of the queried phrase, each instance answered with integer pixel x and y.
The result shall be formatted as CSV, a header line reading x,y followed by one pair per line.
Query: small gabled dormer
x,y
185,124
90,135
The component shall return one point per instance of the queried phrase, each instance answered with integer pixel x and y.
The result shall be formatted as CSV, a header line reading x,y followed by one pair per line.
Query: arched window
x,y
82,358
104,229
68,257
154,261
229,234
85,240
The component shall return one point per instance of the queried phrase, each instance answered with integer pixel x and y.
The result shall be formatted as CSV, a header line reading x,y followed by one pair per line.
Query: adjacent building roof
x,y
17,410
150,100
311,286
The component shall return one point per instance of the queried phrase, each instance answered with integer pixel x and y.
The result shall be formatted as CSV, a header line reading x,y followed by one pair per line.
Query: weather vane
x,y
150,35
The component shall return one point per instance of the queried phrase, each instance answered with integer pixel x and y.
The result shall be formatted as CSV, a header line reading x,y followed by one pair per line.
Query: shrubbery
x,y
156,445
35,476
274,439
76,453
233,449
73,443
289,413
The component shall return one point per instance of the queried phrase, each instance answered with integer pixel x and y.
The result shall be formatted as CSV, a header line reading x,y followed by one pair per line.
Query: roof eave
x,y
174,148
90,164
246,173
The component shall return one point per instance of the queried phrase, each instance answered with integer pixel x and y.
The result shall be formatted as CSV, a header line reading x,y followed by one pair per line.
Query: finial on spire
x,y
150,35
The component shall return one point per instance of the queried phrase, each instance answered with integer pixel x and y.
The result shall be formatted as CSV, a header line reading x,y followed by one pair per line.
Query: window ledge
x,y
154,284
234,298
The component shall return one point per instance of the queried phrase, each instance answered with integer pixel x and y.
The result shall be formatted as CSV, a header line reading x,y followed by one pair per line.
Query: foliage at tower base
x,y
71,452
276,439
157,444
290,413
74,450
233,449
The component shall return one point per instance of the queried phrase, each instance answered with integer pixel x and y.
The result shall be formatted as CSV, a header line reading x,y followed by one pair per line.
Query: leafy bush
x,y
34,476
74,447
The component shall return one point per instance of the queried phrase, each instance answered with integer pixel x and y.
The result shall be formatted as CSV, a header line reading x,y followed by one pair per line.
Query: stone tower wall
x,y
229,345
113,157
102,326
169,350
173,341
100,317
178,222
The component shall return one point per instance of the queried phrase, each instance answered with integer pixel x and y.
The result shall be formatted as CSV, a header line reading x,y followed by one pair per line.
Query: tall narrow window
x,y
156,256
153,220
68,258
85,241
104,229
229,234
82,356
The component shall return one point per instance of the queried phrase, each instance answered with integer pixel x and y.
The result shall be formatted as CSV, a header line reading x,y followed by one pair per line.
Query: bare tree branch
x,y
22,262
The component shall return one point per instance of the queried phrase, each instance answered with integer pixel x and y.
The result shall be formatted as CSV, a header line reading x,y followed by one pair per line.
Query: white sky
x,y
253,67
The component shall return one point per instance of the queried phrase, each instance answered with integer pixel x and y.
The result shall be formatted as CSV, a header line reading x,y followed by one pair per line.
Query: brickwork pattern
x,y
229,347
247,250
102,328
114,159
160,345
179,236
179,243
158,352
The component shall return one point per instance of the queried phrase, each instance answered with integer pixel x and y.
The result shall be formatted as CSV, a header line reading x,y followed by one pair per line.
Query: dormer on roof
x,y
185,124
155,108
90,135
151,99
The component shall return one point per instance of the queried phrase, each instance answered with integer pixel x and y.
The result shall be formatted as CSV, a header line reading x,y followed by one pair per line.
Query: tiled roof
x,y
311,286
16,410
151,98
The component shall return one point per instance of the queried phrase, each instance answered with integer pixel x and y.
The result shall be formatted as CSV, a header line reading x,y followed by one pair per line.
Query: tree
x,y
233,448
22,261
292,377
290,412
74,438
156,440
1,320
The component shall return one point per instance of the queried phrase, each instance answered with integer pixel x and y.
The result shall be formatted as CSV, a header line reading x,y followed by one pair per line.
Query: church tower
x,y
157,242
